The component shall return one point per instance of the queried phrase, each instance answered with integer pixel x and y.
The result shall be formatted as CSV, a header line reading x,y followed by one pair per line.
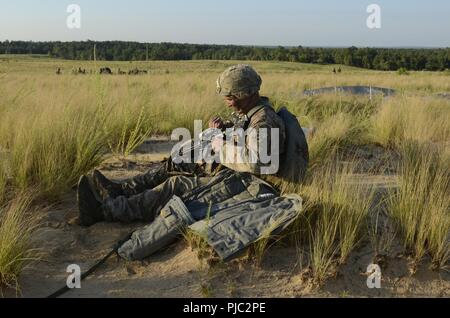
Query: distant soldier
x,y
334,70
58,71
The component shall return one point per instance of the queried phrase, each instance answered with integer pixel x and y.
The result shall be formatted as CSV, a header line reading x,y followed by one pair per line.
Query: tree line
x,y
371,58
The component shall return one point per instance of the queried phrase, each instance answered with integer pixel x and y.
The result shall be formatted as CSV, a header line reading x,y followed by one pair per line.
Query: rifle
x,y
201,146
197,147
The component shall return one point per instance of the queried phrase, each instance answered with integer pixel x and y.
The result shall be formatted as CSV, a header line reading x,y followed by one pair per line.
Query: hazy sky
x,y
248,22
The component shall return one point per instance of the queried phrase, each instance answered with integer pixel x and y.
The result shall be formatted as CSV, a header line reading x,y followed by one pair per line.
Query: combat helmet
x,y
239,80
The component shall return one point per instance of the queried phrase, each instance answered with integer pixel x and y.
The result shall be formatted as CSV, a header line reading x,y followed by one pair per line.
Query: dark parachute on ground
x,y
105,70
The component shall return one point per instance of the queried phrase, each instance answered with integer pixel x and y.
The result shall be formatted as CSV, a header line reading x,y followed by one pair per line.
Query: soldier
x,y
126,201
178,195
239,85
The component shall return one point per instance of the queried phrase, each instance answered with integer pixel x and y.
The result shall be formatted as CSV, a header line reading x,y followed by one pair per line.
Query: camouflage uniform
x,y
230,210
145,206
166,170
262,116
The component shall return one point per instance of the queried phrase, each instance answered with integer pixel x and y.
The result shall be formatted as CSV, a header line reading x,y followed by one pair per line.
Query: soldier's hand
x,y
216,123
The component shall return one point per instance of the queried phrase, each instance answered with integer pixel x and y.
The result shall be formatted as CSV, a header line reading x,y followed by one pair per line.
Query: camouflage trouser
x,y
165,229
155,177
230,210
145,206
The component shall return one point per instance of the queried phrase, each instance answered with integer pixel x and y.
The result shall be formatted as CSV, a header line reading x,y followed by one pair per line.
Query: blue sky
x,y
247,22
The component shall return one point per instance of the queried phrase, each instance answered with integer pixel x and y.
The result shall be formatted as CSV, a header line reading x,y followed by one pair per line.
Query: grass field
x,y
54,128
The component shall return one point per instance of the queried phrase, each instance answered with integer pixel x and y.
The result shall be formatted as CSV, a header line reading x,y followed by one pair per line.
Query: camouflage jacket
x,y
244,156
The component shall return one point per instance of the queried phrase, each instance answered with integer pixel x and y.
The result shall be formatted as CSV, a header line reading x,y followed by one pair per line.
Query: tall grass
x,y
341,206
50,145
340,122
411,118
269,237
16,226
3,181
421,204
51,151
381,230
388,125
331,137
133,132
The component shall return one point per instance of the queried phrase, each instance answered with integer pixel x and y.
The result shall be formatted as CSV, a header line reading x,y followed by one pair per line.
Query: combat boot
x,y
89,204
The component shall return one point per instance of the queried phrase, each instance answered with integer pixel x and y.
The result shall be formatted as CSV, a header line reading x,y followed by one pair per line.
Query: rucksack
x,y
296,154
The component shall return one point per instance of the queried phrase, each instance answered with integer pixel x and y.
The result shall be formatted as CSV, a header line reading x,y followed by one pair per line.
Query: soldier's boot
x,y
133,186
106,187
89,204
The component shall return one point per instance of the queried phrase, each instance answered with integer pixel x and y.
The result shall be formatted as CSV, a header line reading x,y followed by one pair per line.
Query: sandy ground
x,y
177,271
